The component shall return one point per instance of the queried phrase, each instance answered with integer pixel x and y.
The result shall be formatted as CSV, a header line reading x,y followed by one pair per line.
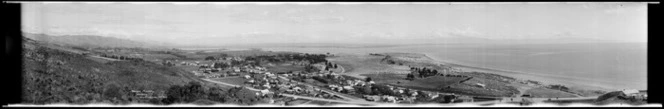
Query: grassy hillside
x,y
57,76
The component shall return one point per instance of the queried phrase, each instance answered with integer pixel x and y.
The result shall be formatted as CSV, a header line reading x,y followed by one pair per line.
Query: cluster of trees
x,y
220,56
312,58
329,65
210,58
221,65
310,68
421,73
121,57
559,87
327,79
323,80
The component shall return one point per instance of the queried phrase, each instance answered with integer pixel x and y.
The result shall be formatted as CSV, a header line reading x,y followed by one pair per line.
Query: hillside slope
x,y
618,97
57,76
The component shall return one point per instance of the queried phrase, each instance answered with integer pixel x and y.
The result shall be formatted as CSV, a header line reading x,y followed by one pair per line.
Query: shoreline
x,y
545,79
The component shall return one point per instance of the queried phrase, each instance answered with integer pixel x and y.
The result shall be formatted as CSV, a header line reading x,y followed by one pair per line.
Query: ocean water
x,y
607,65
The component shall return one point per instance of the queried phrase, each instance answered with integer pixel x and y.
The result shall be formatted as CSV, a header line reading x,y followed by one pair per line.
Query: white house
x,y
630,92
348,88
480,85
265,91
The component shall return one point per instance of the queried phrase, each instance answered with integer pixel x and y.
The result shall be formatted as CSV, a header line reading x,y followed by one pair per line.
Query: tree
x,y
382,90
410,76
187,93
421,96
364,89
407,91
310,68
368,79
223,55
209,58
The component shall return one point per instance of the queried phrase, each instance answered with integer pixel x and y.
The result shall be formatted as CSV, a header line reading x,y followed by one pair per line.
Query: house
x,y
332,86
413,93
265,91
372,97
630,92
349,89
247,76
272,76
480,85
135,91
434,96
267,85
297,89
389,99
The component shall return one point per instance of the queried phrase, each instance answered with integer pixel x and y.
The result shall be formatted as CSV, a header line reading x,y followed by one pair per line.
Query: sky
x,y
250,23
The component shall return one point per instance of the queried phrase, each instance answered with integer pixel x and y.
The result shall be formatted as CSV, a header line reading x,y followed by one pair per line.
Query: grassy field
x,y
355,65
284,68
492,88
433,83
155,56
545,92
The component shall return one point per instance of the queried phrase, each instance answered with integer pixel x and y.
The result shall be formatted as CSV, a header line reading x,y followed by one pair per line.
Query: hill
x,y
618,97
52,75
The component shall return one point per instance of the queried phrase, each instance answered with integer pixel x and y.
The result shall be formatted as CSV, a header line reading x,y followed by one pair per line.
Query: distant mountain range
x,y
298,41
91,41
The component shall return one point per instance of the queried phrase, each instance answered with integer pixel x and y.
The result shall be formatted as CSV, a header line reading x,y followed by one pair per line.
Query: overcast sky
x,y
335,23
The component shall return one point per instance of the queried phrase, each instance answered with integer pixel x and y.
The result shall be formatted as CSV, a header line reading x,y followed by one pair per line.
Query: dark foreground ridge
x,y
60,74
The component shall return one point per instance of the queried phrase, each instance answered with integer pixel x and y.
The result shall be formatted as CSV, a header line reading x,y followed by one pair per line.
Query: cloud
x,y
625,8
468,32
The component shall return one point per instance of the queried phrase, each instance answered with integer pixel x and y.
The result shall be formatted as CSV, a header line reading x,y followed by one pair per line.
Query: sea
x,y
612,66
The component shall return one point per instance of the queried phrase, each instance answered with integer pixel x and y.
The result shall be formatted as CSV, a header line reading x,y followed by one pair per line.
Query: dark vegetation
x,y
120,57
618,97
559,87
311,58
194,91
421,73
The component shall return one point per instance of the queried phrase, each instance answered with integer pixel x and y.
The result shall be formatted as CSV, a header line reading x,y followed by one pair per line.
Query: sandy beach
x,y
546,79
